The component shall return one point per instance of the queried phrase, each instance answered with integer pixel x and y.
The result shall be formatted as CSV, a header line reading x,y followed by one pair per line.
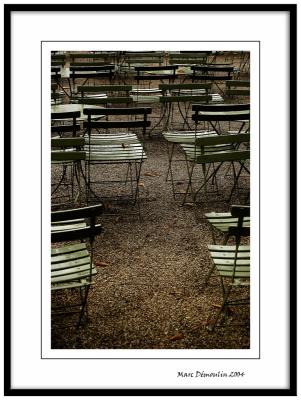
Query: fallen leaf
x,y
177,337
101,264
152,174
141,184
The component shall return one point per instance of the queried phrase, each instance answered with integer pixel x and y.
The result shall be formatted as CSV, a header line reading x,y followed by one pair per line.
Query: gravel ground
x,y
149,291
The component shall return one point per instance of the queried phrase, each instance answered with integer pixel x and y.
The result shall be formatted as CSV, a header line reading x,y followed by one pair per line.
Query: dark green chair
x,y
209,150
66,169
72,265
112,144
232,265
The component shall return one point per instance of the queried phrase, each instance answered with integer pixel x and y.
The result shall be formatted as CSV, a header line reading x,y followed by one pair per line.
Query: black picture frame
x,y
9,9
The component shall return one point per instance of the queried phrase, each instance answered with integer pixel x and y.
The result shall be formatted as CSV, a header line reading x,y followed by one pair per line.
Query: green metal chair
x,y
105,95
72,265
211,149
113,142
132,59
232,265
237,89
66,154
176,101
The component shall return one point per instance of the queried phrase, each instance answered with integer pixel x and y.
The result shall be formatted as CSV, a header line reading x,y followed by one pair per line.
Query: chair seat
x,y
223,257
68,225
71,267
116,153
222,221
193,154
136,91
184,136
120,138
145,99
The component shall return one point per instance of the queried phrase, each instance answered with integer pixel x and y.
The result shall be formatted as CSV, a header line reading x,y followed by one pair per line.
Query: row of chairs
x,y
73,268
132,58
108,138
144,76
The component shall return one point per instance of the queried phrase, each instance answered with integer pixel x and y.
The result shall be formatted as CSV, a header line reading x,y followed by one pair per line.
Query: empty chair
x,y
188,58
237,89
64,123
105,95
222,118
209,150
72,267
92,58
87,72
217,74
113,142
176,101
232,265
58,60
66,156
132,59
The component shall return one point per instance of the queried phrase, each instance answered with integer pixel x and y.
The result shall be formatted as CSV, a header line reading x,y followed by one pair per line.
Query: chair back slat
x,y
184,98
239,211
156,68
106,100
65,115
104,88
187,86
76,234
204,77
212,140
117,124
68,155
77,213
220,107
118,111
67,142
66,148
219,156
90,67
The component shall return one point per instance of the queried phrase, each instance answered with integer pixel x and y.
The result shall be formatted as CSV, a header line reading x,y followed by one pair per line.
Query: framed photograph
x,y
159,322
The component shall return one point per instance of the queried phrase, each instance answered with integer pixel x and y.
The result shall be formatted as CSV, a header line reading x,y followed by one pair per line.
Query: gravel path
x,y
149,291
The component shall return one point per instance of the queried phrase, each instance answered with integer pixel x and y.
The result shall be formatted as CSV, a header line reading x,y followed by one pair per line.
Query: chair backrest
x,y
151,57
90,71
237,88
220,112
65,122
109,91
215,155
211,72
178,87
240,212
58,60
135,123
67,149
185,98
150,73
89,231
85,58
187,58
